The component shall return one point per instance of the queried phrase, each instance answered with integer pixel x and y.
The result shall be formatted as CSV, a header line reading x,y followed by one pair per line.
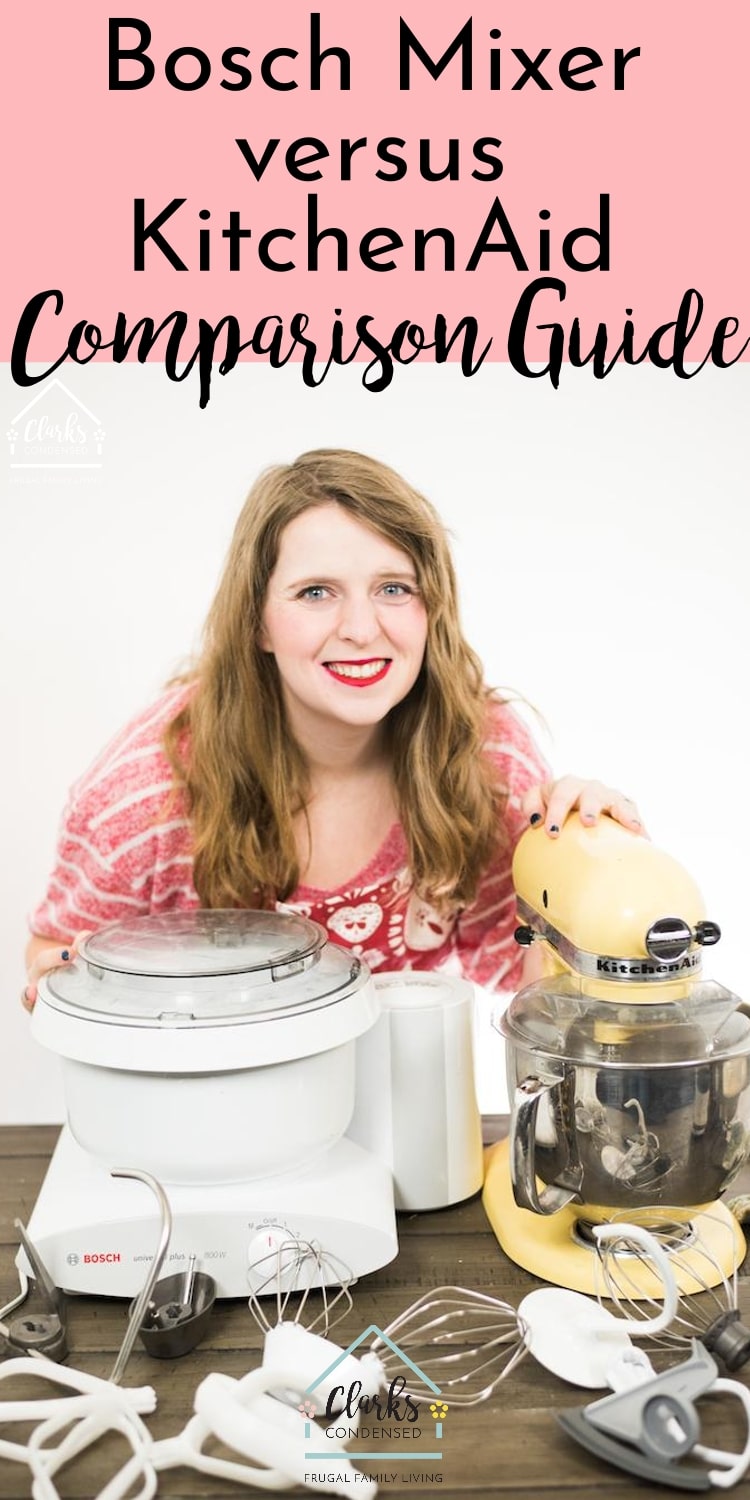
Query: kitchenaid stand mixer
x,y
629,1076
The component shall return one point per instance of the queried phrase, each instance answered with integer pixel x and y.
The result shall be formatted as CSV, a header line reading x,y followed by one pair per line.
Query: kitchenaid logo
x,y
633,968
55,431
388,1427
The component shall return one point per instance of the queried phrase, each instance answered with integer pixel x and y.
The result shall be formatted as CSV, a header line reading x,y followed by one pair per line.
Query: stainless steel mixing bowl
x,y
626,1105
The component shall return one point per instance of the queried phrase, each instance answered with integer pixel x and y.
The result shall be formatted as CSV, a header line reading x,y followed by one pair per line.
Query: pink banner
x,y
385,184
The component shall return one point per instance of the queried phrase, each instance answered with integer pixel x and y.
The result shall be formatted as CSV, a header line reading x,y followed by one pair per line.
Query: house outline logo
x,y
376,1332
65,448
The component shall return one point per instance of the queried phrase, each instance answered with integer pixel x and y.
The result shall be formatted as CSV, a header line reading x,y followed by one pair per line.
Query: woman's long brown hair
x,y
232,749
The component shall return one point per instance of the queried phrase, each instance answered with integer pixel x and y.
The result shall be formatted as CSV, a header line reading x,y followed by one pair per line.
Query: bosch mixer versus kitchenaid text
x,y
629,1075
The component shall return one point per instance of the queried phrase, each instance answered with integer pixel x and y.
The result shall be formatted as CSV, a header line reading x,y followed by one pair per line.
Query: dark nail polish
x,y
534,819
554,828
65,955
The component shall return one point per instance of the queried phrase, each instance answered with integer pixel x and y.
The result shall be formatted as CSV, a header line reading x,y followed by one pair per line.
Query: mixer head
x,y
610,907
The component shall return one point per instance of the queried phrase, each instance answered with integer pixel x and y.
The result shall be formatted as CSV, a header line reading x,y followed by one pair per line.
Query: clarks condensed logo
x,y
55,430
394,1427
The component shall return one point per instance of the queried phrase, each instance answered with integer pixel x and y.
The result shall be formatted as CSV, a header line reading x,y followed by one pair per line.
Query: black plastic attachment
x,y
729,1340
40,1326
175,1322
707,933
524,936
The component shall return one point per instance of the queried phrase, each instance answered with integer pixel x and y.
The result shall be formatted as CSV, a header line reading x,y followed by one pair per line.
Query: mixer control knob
x,y
524,936
273,1258
707,933
668,939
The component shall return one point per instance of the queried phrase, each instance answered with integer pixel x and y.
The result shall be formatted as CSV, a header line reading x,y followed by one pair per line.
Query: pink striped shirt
x,y
125,849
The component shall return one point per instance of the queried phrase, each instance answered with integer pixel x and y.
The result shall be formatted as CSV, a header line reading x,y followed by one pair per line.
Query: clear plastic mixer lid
x,y
692,1021
192,943
203,966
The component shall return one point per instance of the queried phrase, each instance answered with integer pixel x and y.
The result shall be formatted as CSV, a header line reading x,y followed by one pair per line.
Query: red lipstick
x,y
358,678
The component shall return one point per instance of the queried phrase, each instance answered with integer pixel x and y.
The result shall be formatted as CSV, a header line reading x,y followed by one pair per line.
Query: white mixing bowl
x,y
207,1046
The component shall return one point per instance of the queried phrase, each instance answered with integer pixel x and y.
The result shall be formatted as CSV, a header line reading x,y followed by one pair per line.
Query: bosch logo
x,y
72,1259
104,1258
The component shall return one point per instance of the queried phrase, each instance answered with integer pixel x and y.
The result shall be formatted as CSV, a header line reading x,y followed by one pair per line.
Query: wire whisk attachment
x,y
704,1261
462,1341
289,1274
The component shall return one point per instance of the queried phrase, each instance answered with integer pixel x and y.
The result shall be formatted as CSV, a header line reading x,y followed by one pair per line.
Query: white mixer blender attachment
x,y
270,1440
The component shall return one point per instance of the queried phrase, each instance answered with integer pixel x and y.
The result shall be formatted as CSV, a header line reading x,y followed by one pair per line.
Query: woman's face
x,y
344,619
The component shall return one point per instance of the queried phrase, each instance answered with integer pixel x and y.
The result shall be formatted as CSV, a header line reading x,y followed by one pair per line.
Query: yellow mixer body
x,y
601,889
640,1102
551,1248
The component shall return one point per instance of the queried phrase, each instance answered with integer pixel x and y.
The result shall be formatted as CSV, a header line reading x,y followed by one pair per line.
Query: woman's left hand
x,y
554,800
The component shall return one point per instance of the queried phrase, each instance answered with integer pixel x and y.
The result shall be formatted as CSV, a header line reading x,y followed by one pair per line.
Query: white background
x,y
600,534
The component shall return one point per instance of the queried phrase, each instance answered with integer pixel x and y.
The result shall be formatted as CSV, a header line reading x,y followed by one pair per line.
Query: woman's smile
x,y
359,673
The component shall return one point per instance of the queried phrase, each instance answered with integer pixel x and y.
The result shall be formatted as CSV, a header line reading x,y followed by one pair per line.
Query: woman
x,y
335,748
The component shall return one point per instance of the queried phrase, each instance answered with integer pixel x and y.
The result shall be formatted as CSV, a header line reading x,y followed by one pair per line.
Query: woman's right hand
x,y
42,955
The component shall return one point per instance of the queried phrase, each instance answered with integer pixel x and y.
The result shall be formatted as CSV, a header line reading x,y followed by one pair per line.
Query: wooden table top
x,y
508,1445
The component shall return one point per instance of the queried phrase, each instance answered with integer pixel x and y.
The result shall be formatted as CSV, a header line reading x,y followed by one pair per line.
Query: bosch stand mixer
x,y
214,1050
629,1075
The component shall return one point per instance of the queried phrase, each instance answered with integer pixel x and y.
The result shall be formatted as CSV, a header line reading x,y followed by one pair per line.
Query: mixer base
x,y
552,1247
96,1233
